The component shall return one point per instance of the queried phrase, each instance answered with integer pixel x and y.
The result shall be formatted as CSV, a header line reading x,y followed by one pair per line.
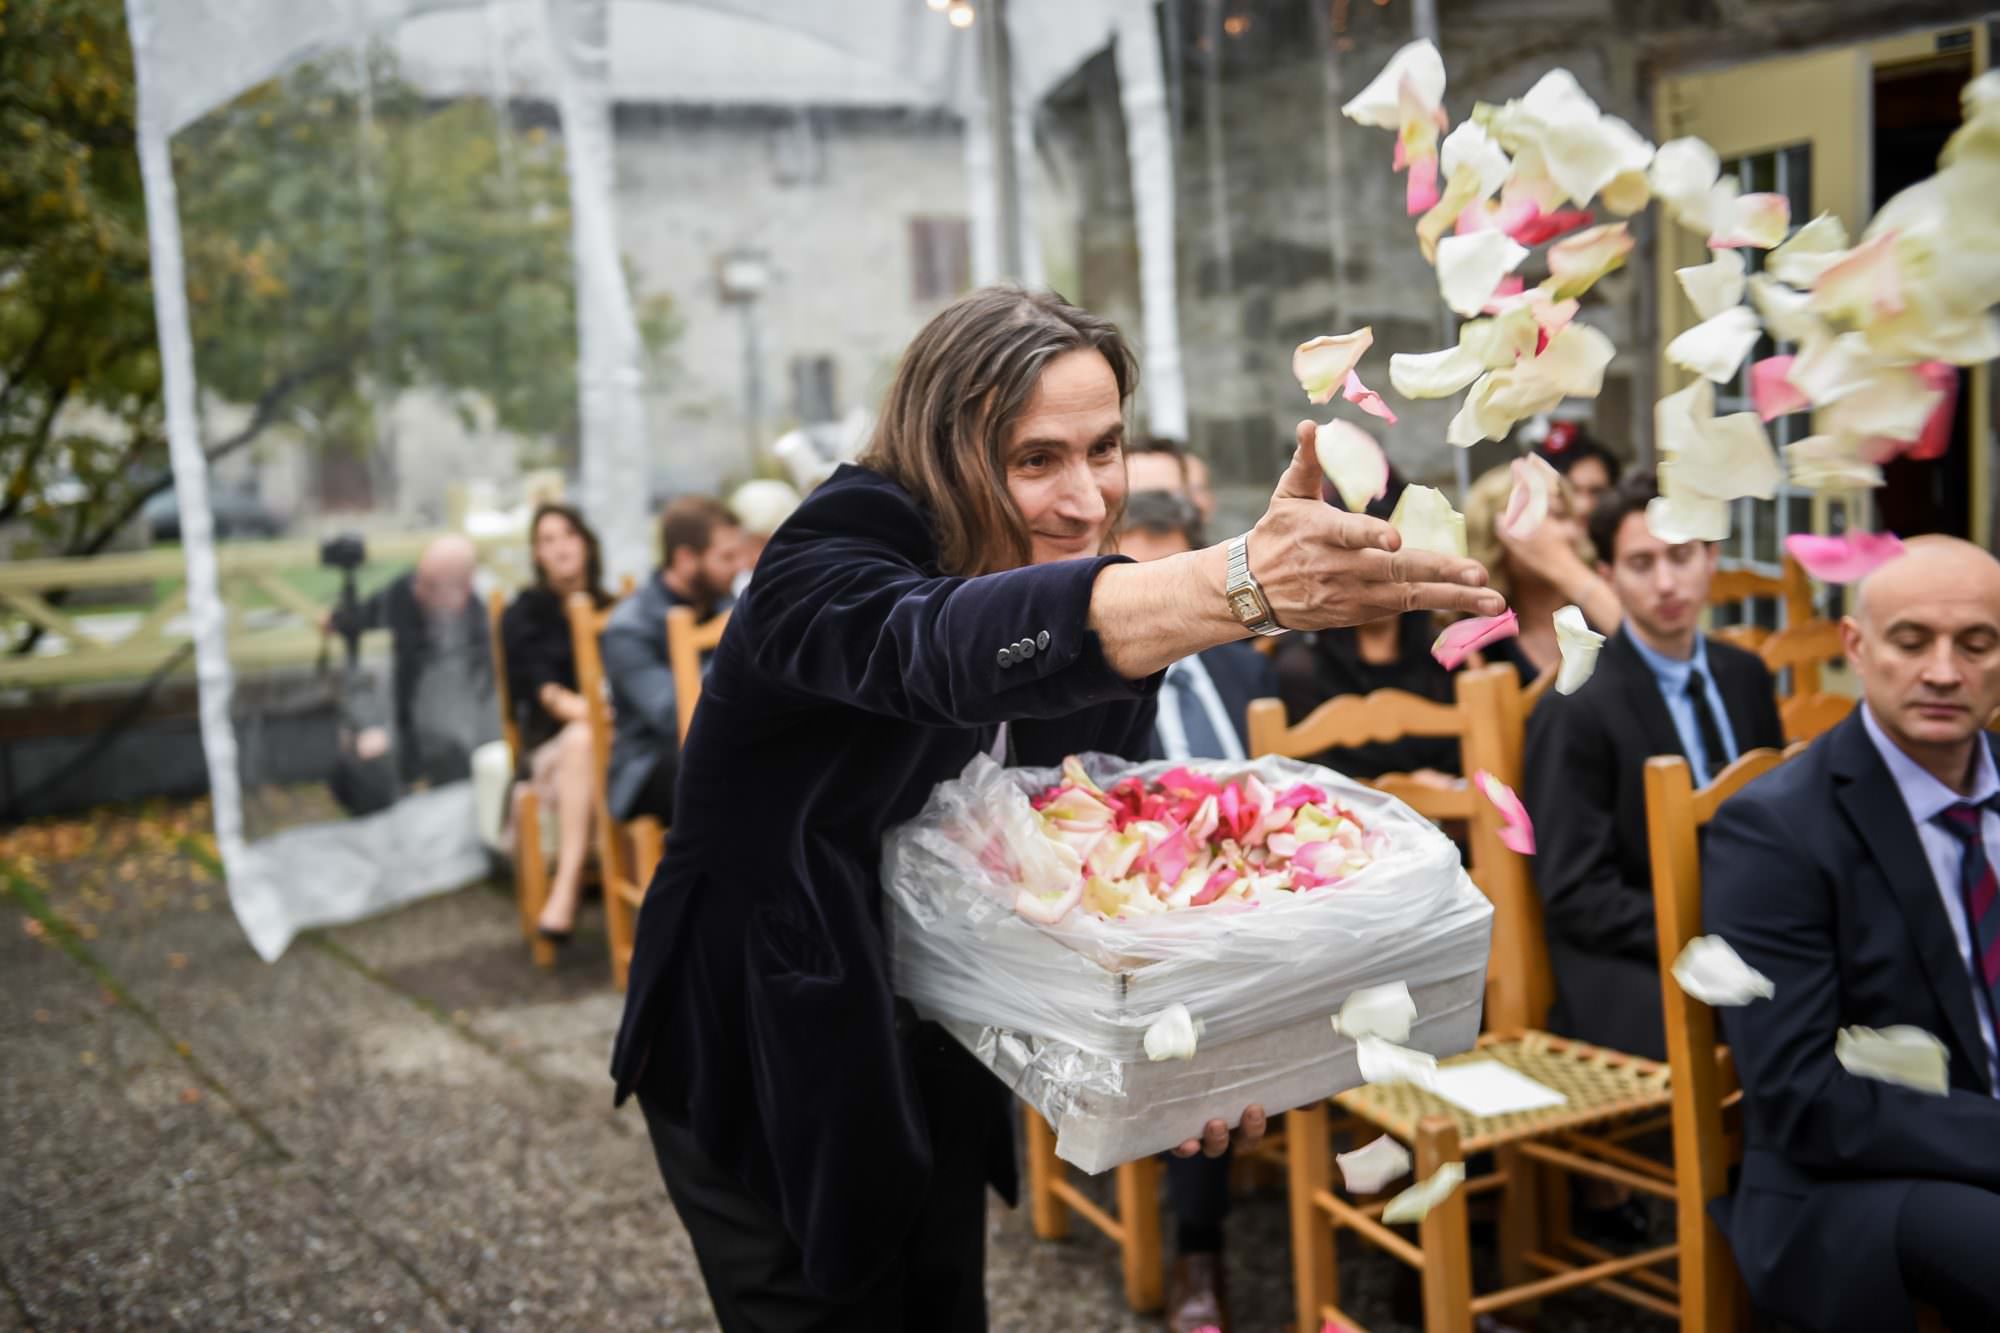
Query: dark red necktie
x,y
1982,899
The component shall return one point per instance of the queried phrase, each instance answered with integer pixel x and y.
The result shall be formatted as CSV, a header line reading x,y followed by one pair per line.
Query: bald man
x,y
1859,878
442,672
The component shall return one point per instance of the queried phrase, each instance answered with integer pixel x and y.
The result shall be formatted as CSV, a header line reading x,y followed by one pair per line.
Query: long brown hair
x,y
961,386
593,563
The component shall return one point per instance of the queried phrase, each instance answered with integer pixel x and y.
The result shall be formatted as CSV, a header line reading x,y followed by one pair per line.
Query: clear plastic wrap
x,y
1060,1012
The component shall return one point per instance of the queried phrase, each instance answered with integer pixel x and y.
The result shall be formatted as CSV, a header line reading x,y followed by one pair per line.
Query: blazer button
x,y
1042,641
1025,649
1006,657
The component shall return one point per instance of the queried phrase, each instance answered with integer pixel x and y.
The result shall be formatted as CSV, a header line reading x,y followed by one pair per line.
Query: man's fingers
x,y
1452,597
1215,1138
1253,1125
1188,1149
1302,478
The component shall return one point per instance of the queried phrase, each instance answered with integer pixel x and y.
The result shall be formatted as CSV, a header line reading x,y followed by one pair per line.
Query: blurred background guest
x,y
758,508
541,680
1389,654
1538,575
1588,467
702,552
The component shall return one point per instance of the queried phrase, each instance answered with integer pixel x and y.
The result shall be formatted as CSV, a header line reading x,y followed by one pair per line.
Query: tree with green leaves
x,y
348,238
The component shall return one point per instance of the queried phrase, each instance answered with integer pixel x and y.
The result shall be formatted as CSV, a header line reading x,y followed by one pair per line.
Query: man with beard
x,y
701,549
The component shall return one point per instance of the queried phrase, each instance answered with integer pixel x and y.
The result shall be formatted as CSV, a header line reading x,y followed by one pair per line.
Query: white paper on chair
x,y
1487,1087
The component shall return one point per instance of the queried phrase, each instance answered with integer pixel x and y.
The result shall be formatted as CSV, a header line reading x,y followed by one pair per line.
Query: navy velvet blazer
x,y
1816,876
853,678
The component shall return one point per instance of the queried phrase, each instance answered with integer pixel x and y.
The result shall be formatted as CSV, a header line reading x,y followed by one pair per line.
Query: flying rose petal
x,y
1527,222
1829,367
1712,972
1809,252
1680,418
1366,398
1517,831
1571,366
1470,146
1904,1055
1321,364
1528,500
1501,340
1894,405
1756,220
1434,374
1580,149
1428,522
1864,284
1786,313
1687,518
1576,263
1470,268
1385,1011
1172,1035
1715,347
1368,1170
1420,191
1715,286
1731,459
1509,288
1681,175
1845,559
1771,392
1385,1062
1462,638
1354,463
1461,192
1935,441
1830,463
1380,103
1414,1203
1627,193
1578,643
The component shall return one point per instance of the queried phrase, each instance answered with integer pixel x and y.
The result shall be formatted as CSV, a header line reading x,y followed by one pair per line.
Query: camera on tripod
x,y
344,551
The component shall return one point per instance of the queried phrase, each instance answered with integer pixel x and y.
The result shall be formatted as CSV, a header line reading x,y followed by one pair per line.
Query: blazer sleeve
x,y
841,614
1569,777
1777,909
635,664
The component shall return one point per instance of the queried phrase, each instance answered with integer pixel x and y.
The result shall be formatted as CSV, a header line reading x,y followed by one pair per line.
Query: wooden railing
x,y
79,646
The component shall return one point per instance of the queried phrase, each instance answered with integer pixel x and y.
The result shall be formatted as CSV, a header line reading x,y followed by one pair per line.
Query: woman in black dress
x,y
541,681
950,595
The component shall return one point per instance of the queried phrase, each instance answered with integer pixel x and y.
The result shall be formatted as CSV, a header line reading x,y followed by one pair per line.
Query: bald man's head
x,y
1925,640
444,574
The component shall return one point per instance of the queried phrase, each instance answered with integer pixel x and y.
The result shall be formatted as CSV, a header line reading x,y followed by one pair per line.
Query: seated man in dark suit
x,y
701,549
1661,687
1859,878
1203,709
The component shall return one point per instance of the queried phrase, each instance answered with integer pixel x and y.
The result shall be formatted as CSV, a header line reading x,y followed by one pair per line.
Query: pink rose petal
x,y
1528,500
1461,638
1843,559
1303,793
1935,441
1420,195
1218,883
1517,831
1366,398
1510,285
1772,392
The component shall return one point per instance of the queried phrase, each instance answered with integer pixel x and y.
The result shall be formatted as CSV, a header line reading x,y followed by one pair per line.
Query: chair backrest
x,y
1703,1077
1791,588
510,725
1488,719
1802,648
687,640
586,625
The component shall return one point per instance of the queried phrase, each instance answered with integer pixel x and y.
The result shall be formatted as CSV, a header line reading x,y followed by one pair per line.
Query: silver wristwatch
x,y
1246,596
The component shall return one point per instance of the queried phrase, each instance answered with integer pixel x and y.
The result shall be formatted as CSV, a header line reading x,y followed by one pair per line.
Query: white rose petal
x,y
1384,1011
1810,251
1687,518
1713,973
1680,418
1428,522
1172,1035
1579,644
1715,286
1434,374
1380,103
1416,1201
1830,463
1368,1170
1893,403
1470,267
1682,173
1715,348
1321,364
1787,314
1577,262
1732,459
1385,1062
1470,146
1829,367
1353,462
1905,1055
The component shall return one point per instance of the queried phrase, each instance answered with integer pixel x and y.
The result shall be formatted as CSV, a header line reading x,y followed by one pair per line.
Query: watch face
x,y
1247,606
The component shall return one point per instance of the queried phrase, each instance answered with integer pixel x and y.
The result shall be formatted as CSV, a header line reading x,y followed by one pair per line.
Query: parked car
x,y
237,515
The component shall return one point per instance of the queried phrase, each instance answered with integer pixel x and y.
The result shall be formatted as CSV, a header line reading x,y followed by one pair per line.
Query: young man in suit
x,y
1661,687
1859,877
701,551
1203,711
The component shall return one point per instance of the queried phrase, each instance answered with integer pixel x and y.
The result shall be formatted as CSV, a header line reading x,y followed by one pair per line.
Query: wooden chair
x,y
1611,1097
1705,1087
1797,653
1792,590
531,868
627,851
688,640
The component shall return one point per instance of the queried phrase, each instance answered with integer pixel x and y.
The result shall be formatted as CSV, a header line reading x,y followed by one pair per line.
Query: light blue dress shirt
x,y
1672,677
1927,798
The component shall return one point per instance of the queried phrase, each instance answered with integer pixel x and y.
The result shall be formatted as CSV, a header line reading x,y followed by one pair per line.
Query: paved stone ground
x,y
400,1124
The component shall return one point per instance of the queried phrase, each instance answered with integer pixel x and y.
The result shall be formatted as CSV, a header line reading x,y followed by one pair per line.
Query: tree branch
x,y
18,485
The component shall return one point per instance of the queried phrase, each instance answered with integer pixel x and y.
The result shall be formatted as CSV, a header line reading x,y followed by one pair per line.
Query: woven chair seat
x,y
1600,1085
